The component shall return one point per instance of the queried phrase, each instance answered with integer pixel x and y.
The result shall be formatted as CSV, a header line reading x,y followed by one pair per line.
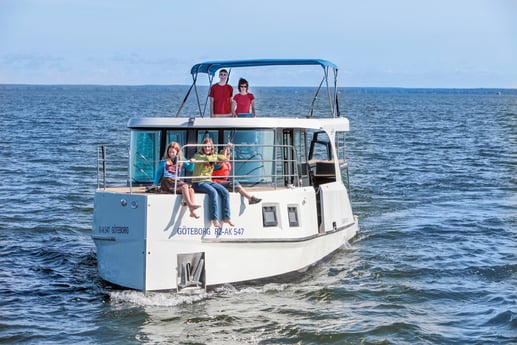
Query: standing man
x,y
221,96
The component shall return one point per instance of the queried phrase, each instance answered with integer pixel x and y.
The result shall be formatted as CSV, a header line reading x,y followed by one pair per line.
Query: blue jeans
x,y
214,190
231,186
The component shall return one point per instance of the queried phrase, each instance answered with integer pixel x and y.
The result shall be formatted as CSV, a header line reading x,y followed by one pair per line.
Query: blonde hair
x,y
207,141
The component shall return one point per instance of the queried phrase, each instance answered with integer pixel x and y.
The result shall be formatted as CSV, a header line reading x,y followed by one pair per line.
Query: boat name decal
x,y
208,231
106,229
193,231
229,231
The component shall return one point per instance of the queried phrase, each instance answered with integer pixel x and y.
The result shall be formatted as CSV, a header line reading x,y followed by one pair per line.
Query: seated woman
x,y
202,181
167,176
222,172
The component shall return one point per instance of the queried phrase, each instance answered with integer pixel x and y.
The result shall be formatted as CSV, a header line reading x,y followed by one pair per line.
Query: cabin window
x,y
321,160
269,217
320,147
179,136
292,213
144,155
252,154
294,157
300,144
343,165
213,134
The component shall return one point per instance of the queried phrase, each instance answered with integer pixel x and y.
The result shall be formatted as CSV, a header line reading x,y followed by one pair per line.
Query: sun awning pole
x,y
336,93
311,110
329,94
186,96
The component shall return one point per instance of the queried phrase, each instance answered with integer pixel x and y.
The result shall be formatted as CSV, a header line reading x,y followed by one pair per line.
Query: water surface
x,y
433,175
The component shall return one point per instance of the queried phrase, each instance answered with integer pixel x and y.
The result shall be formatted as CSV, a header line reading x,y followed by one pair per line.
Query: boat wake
x,y
171,299
153,299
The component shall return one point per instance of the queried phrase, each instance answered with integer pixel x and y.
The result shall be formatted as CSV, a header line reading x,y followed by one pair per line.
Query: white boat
x,y
295,164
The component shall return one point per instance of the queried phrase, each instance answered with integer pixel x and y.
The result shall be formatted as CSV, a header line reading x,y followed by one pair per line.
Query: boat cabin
x,y
296,153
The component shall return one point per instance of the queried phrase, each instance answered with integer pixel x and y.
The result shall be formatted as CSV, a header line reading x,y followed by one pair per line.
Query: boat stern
x,y
119,235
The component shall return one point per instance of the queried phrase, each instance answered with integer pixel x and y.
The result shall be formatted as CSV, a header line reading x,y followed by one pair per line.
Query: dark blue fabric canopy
x,y
210,67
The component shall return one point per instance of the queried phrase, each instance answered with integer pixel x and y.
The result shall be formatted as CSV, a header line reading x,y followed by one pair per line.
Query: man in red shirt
x,y
221,96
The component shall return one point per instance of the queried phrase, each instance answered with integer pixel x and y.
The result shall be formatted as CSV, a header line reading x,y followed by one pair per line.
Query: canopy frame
x,y
211,67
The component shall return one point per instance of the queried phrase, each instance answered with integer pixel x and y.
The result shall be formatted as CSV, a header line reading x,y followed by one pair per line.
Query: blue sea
x,y
433,176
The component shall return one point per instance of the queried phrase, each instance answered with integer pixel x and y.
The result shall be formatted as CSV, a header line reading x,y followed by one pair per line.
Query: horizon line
x,y
266,86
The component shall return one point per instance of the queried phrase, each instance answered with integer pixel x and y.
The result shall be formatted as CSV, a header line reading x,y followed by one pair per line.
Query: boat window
x,y
300,142
179,136
214,134
144,155
343,165
320,146
252,155
340,145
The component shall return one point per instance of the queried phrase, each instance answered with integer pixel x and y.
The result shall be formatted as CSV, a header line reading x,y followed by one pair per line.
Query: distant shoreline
x,y
344,89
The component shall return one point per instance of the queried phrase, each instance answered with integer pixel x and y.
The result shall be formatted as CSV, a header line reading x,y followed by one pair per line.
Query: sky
x,y
375,43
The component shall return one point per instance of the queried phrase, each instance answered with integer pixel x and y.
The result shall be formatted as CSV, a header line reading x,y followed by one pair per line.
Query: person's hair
x,y
243,81
175,146
206,141
222,151
223,71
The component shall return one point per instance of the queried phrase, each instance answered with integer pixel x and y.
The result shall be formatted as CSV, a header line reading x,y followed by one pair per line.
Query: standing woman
x,y
243,102
167,175
202,181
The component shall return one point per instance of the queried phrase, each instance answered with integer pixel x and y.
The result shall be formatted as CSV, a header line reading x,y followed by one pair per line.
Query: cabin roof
x,y
326,124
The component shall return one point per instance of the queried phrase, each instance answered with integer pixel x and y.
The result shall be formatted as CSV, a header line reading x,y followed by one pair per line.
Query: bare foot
x,y
229,222
192,213
194,207
216,223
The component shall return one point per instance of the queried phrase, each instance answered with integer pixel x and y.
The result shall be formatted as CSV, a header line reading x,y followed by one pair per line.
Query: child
x,y
168,173
202,181
222,172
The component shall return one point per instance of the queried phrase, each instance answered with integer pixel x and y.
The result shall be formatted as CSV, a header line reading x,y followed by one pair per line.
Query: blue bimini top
x,y
210,67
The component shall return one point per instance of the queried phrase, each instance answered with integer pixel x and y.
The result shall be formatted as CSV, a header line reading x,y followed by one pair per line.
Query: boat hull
x,y
148,241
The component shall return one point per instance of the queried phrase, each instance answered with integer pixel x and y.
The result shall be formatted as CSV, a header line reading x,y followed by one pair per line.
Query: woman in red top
x,y
244,102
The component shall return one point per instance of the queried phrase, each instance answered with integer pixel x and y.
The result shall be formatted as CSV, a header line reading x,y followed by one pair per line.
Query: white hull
x,y
138,244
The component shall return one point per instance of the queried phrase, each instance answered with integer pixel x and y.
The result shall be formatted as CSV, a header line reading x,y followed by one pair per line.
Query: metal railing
x,y
272,165
101,166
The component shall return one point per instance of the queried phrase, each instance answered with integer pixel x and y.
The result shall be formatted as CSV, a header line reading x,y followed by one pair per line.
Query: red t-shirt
x,y
222,94
221,175
243,102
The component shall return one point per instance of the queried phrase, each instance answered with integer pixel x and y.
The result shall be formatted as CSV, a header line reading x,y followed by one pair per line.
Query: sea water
x,y
433,181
